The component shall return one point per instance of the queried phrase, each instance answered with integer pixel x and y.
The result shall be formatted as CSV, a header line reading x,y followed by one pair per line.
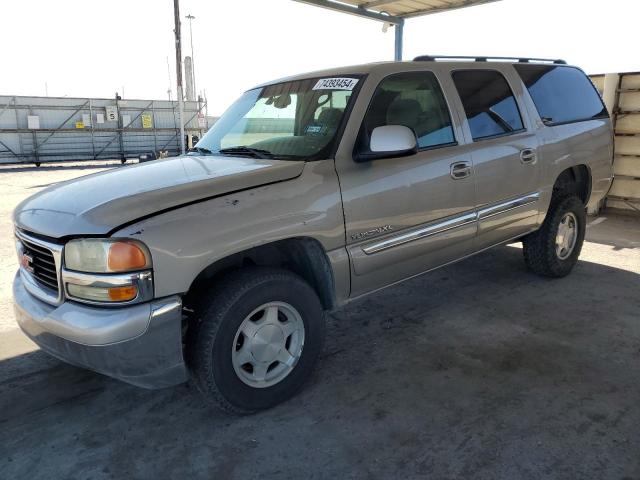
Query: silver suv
x,y
308,193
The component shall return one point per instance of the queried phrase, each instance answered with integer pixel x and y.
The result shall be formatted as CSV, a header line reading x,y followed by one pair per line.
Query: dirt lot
x,y
478,370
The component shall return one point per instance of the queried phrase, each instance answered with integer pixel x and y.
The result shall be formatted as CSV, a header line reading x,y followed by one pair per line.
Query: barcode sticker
x,y
336,84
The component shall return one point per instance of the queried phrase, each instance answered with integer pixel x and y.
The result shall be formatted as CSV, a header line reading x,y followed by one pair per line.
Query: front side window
x,y
488,102
291,120
415,100
561,94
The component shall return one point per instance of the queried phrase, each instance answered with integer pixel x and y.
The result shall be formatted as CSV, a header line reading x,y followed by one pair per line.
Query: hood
x,y
98,203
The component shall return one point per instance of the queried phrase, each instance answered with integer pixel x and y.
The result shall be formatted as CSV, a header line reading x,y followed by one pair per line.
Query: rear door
x,y
504,151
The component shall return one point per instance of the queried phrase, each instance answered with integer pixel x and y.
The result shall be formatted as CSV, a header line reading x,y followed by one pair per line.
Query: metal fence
x,y
45,129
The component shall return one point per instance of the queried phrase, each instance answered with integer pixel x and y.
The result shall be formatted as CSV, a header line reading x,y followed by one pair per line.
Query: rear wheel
x,y
553,250
256,339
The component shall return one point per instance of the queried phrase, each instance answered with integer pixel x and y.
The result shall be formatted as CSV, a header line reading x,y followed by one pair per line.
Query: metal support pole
x,y
120,132
176,12
15,109
399,30
34,134
155,132
193,62
93,144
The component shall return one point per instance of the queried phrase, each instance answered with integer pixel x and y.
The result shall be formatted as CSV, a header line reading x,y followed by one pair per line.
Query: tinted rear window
x,y
561,94
488,102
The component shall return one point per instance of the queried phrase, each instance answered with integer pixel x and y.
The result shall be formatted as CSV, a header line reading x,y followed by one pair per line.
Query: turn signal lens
x,y
122,294
125,256
103,294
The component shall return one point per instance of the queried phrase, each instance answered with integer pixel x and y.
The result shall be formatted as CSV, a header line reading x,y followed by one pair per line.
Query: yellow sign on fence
x,y
147,121
80,124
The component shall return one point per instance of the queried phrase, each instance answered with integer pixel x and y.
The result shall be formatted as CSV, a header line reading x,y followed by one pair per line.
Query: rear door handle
x,y
527,155
460,170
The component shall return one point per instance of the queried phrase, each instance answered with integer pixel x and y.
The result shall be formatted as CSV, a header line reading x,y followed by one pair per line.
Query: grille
x,y
42,265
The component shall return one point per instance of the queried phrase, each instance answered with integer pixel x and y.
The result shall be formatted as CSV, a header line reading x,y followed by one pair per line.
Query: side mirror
x,y
389,141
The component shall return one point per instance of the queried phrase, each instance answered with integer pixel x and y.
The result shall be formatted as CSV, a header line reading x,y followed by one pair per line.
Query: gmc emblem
x,y
26,261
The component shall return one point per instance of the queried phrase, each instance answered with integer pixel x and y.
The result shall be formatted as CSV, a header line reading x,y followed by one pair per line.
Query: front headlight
x,y
107,271
106,255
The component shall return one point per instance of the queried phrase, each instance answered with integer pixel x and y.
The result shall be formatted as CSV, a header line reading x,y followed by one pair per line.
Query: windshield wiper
x,y
243,150
206,151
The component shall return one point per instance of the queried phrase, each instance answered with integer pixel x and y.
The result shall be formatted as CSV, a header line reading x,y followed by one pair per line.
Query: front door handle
x,y
527,155
460,170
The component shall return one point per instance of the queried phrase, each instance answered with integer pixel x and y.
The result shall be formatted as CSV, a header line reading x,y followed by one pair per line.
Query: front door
x,y
405,215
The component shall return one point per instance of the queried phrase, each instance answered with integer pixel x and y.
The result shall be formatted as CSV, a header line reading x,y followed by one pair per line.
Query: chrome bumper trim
x,y
143,281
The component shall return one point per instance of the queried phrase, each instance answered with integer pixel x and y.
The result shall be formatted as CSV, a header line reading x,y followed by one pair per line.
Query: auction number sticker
x,y
336,84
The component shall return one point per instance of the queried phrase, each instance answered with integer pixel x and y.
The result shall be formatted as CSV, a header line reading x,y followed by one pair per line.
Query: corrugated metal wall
x,y
623,90
69,128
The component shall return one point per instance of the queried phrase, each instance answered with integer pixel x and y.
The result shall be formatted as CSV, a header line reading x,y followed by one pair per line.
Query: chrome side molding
x,y
502,207
444,225
423,232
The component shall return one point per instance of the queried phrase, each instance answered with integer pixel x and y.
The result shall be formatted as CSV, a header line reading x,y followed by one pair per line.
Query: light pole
x,y
169,77
193,62
176,13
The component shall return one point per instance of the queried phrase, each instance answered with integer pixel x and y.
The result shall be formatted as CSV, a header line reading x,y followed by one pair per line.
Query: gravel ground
x,y
478,370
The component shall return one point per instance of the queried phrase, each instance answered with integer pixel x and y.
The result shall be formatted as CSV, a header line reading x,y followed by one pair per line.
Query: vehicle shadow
x,y
476,370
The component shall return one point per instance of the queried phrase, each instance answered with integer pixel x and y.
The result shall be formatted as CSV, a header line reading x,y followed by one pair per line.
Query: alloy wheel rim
x,y
566,236
268,344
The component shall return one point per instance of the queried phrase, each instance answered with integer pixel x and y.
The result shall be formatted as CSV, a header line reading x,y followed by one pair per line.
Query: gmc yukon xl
x,y
309,192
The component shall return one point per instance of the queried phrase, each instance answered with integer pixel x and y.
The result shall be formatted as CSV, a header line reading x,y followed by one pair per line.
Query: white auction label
x,y
336,84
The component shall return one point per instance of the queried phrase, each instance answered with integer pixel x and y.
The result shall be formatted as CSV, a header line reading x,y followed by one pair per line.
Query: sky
x,y
91,48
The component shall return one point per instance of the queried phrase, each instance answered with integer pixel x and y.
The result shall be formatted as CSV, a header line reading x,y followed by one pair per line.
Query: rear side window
x,y
561,94
488,102
415,100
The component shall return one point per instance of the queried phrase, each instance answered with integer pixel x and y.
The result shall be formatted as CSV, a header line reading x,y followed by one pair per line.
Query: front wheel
x,y
256,339
553,250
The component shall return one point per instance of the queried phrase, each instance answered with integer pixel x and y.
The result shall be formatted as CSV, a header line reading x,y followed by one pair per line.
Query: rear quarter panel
x,y
587,143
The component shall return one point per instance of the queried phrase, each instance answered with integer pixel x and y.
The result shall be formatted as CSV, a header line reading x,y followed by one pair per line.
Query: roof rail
x,y
433,58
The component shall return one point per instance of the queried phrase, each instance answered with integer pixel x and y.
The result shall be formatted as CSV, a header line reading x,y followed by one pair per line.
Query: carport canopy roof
x,y
394,11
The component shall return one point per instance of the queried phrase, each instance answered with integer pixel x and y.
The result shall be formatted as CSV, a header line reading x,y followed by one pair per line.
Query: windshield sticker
x,y
336,84
314,130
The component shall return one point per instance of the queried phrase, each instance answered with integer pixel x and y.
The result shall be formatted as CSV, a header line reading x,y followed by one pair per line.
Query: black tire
x,y
539,247
217,320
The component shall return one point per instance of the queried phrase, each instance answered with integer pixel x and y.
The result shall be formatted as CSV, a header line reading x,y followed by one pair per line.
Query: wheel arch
x,y
576,180
304,256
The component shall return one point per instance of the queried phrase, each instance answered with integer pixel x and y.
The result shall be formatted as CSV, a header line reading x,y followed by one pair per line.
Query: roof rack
x,y
433,58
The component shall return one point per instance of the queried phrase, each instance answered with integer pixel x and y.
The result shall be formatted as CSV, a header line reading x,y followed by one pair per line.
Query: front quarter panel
x,y
184,241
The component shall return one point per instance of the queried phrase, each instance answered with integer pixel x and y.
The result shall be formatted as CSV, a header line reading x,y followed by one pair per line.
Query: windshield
x,y
292,120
